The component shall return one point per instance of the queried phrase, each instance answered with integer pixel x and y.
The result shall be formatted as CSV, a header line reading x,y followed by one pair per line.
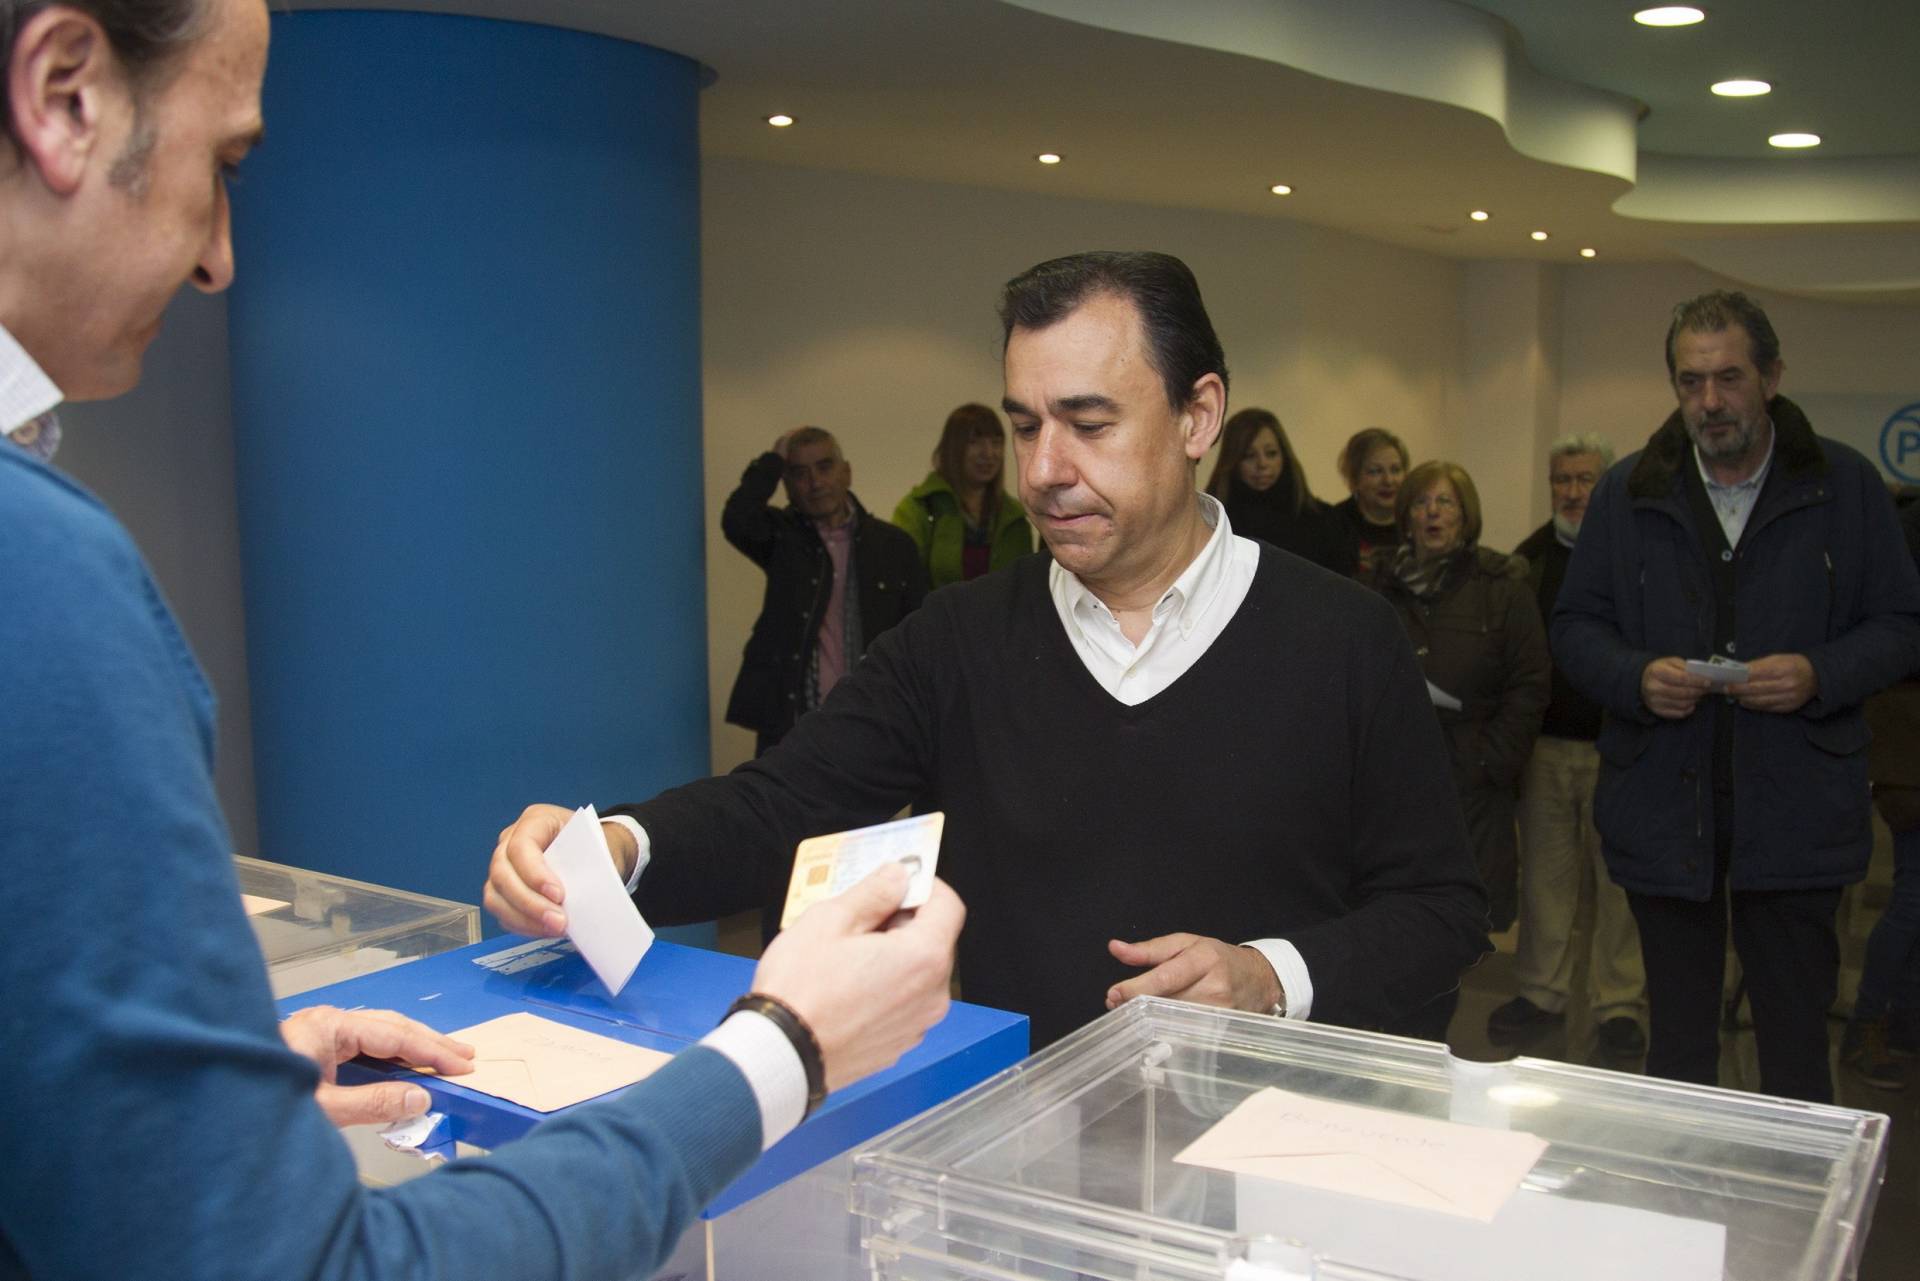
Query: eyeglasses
x,y
1437,502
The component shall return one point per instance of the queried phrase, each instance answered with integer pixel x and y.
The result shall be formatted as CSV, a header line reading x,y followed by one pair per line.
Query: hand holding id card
x,y
824,866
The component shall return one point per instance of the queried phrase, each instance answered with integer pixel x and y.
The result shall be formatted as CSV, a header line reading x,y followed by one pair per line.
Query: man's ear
x,y
58,80
1205,414
1770,378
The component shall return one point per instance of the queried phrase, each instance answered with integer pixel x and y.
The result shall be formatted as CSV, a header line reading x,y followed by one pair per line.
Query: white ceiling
x,y
1390,118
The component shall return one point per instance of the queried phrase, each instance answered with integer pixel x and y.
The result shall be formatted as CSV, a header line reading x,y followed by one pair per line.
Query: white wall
x,y
866,305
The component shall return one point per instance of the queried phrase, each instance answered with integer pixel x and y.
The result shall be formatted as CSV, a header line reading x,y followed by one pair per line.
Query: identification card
x,y
824,866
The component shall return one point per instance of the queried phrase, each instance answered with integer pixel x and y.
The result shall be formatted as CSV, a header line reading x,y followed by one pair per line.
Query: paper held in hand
x,y
601,920
1720,670
824,866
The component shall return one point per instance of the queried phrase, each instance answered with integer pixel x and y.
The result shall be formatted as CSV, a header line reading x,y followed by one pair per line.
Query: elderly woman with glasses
x,y
1477,632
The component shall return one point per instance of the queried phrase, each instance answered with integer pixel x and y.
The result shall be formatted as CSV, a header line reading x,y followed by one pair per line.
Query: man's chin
x,y
103,381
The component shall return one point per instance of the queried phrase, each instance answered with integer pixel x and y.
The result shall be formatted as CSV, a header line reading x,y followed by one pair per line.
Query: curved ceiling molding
x,y
1430,49
1845,266
1802,189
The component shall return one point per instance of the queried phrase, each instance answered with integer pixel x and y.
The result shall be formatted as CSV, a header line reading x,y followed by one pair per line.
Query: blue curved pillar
x,y
466,389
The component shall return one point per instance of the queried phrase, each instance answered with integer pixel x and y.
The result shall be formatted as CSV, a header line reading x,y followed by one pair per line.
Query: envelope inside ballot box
x,y
1369,1152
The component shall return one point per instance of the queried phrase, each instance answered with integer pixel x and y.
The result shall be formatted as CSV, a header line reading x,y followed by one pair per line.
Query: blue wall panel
x,y
465,340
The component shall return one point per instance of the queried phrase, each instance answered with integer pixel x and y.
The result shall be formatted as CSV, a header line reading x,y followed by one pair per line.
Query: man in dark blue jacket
x,y
1738,534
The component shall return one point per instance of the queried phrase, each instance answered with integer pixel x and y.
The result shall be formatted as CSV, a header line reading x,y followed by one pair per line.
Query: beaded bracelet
x,y
804,1043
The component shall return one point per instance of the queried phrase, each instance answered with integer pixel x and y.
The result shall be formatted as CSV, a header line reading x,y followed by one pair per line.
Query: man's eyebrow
x,y
1064,405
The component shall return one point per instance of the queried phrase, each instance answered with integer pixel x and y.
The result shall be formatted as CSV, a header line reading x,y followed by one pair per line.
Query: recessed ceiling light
x,y
1795,140
1670,15
1588,253
1281,189
1479,215
1742,88
1539,235
1048,157
780,121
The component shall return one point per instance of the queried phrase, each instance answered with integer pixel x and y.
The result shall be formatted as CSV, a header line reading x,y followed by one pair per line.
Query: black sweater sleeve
x,y
1418,913
725,844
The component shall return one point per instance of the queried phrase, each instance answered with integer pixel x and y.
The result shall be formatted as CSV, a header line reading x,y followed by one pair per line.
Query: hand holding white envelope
x,y
601,920
1368,1152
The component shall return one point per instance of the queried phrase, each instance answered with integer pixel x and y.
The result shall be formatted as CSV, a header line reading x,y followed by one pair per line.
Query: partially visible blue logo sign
x,y
1900,444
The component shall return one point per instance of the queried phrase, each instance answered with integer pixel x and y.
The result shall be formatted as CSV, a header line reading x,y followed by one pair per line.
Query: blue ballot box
x,y
677,995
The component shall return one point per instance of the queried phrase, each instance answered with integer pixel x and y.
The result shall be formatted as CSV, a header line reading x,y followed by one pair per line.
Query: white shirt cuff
x,y
640,841
1291,970
756,1045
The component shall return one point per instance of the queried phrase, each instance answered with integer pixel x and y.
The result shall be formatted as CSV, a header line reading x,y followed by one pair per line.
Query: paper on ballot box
x,y
824,866
546,1065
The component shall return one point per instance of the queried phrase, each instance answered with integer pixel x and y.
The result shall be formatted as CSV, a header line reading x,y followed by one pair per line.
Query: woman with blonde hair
x,y
1476,630
1373,463
961,517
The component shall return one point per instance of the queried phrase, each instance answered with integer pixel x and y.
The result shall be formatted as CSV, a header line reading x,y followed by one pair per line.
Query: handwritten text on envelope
x,y
1387,1156
545,1065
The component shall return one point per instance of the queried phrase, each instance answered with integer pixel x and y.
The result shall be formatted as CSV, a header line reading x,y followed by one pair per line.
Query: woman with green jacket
x,y
962,518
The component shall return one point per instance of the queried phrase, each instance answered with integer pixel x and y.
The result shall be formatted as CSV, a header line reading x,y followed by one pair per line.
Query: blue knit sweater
x,y
152,1122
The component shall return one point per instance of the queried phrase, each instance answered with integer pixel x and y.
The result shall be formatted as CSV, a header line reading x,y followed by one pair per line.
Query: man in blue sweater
x,y
155,1119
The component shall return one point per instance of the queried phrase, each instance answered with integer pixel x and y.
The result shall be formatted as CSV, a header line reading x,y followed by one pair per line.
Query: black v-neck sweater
x,y
1291,784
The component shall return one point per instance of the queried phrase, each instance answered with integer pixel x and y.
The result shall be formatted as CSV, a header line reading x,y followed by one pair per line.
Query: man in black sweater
x,y
1560,861
1172,762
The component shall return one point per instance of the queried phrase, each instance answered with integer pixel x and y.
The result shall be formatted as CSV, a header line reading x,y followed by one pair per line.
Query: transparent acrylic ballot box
x,y
1063,1167
316,929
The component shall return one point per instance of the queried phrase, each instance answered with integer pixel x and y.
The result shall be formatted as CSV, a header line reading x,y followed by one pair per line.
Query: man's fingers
x,y
877,896
381,1103
1152,951
1169,979
941,915
384,1034
522,891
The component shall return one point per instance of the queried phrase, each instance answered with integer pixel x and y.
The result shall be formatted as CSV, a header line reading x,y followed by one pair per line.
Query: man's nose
x,y
214,271
1710,396
1046,466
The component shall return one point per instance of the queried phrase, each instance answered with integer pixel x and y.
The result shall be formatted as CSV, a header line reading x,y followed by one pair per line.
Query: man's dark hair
x,y
1181,343
1722,309
146,35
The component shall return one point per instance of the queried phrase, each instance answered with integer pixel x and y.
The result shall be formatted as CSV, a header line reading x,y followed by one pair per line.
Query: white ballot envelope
x,y
545,1065
824,866
1368,1152
1441,698
601,920
1721,671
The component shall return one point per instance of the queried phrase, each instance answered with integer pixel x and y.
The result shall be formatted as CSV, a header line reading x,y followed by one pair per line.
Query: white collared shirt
x,y
25,390
1187,620
1733,504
